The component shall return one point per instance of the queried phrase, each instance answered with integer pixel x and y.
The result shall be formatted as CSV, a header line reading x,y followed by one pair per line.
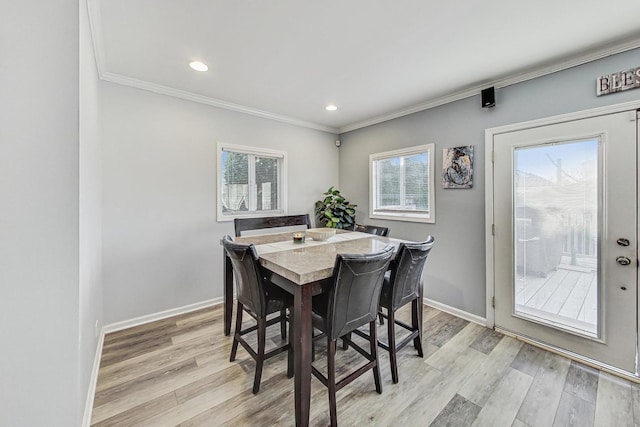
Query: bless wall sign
x,y
617,82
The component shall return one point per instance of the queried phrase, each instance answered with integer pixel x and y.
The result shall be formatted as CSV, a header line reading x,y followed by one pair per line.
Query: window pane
x,y
250,181
401,184
556,234
417,182
267,183
388,183
235,181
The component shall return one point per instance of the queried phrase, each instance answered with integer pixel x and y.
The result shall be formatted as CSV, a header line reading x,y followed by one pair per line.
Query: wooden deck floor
x,y
567,295
176,372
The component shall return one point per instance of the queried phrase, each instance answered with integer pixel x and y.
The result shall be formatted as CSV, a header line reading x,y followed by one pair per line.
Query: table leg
x,y
227,294
302,352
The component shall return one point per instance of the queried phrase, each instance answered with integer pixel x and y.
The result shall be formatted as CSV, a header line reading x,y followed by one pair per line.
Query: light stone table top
x,y
311,261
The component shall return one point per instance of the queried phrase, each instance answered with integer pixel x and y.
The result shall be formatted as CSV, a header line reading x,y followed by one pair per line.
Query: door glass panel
x,y
556,226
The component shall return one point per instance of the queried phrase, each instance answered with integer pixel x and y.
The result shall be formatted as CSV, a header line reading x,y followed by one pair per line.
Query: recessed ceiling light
x,y
331,107
198,66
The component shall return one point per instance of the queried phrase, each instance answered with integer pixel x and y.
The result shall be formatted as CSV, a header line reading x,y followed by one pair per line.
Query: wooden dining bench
x,y
247,224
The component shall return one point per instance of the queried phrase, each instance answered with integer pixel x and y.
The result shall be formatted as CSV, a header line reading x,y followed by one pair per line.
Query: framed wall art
x,y
457,167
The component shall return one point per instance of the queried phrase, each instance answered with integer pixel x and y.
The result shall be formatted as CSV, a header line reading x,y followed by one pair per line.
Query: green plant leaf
x,y
334,210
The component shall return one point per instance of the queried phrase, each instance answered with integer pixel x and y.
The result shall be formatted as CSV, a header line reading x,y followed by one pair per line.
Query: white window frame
x,y
282,193
429,217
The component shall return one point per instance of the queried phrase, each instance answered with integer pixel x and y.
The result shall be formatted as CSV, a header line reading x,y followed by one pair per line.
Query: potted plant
x,y
334,211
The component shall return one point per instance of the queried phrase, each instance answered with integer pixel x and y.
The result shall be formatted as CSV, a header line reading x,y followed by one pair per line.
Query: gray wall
x,y
39,263
160,236
455,275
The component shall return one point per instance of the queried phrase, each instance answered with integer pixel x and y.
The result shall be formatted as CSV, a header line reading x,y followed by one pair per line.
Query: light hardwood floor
x,y
177,372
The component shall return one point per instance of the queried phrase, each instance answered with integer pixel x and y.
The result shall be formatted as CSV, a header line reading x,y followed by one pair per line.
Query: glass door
x,y
566,236
555,239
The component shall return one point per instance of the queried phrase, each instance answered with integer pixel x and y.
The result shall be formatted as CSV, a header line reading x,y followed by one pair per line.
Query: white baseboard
x,y
125,324
91,393
456,312
118,326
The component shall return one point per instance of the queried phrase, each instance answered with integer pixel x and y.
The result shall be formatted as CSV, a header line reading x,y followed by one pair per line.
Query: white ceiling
x,y
374,59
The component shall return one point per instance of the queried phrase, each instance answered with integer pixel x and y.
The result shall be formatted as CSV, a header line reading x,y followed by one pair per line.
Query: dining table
x,y
302,269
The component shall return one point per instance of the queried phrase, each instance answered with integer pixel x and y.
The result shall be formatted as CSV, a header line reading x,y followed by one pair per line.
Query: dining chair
x,y
403,285
351,302
372,229
247,224
378,231
259,298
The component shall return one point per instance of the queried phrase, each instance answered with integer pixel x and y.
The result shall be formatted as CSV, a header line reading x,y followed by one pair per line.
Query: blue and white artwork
x,y
457,167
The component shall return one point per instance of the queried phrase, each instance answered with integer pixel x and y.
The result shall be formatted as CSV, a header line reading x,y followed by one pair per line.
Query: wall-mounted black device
x,y
488,97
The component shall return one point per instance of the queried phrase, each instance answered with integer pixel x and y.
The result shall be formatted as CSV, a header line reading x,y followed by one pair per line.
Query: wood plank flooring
x,y
176,372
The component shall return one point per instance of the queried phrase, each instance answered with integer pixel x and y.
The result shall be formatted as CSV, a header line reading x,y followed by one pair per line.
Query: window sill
x,y
403,217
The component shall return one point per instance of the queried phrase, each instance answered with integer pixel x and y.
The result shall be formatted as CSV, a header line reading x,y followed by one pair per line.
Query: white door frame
x,y
489,199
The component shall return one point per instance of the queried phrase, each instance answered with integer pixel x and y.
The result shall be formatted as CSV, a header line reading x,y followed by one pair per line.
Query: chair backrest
x,y
248,275
246,224
355,294
372,229
406,271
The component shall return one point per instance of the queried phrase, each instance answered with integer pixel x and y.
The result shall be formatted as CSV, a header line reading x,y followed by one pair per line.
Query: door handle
x,y
623,260
623,242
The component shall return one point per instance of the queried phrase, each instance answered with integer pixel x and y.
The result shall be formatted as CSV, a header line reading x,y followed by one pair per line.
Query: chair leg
x,y
290,354
331,379
234,346
391,331
283,323
380,316
373,344
260,354
345,345
416,322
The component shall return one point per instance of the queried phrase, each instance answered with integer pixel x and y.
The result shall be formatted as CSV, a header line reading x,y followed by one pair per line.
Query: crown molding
x,y
165,90
94,23
594,55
